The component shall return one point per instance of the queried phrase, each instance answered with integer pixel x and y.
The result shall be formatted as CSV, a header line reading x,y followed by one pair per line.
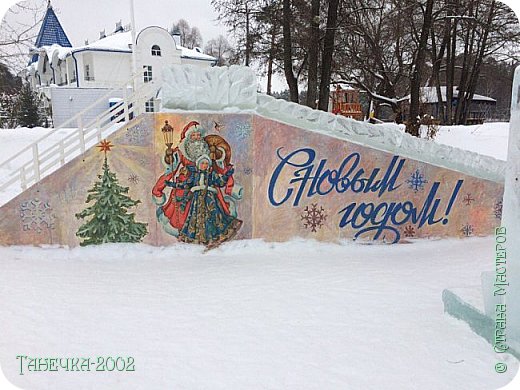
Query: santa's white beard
x,y
195,149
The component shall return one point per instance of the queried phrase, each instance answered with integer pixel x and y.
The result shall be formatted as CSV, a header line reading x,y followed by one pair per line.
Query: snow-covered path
x,y
248,315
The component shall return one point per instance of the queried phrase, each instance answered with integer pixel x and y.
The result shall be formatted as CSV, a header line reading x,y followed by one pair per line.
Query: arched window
x,y
156,50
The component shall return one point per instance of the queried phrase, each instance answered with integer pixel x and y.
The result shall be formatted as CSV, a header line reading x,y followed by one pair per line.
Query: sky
x,y
84,19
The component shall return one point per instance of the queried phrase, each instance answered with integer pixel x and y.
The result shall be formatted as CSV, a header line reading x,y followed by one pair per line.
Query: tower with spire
x,y
72,78
51,32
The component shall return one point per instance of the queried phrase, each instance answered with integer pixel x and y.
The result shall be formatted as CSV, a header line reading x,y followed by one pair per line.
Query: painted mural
x,y
330,189
107,218
201,205
206,178
202,191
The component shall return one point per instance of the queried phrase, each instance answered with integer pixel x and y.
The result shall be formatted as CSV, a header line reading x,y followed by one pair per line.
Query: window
x,y
88,75
149,106
147,73
156,50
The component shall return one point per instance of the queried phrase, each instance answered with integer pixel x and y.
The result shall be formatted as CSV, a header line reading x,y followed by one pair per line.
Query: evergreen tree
x,y
28,112
110,220
8,83
8,110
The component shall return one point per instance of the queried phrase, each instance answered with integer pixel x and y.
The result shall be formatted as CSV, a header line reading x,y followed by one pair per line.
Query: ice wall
x,y
191,87
187,87
511,212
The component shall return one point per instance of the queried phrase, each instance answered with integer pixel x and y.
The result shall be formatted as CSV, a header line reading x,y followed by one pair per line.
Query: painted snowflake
x,y
133,178
68,194
497,209
467,230
36,215
468,199
409,231
242,130
248,171
137,135
416,181
313,217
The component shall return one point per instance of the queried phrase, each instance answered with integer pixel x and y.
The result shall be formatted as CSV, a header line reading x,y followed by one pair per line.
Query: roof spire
x,y
51,32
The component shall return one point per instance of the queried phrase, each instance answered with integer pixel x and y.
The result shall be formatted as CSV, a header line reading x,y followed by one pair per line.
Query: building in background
x,y
344,100
481,109
71,78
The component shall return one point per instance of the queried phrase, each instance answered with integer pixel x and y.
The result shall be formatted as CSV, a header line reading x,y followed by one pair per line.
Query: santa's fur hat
x,y
190,128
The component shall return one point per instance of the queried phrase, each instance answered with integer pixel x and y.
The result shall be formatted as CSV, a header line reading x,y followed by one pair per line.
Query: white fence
x,y
39,159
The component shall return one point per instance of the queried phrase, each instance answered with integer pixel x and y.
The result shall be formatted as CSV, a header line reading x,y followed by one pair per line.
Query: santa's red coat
x,y
172,208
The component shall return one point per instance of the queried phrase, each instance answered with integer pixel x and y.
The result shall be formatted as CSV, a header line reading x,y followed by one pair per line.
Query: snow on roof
x,y
121,41
61,52
32,67
195,54
429,95
341,85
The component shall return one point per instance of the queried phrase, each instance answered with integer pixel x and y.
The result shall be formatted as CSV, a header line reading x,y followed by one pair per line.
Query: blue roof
x,y
50,33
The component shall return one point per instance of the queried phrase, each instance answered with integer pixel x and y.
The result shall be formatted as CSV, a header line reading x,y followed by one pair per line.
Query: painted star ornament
x,y
105,146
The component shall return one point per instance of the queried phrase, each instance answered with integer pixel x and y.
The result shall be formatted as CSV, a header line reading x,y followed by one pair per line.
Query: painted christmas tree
x,y
109,218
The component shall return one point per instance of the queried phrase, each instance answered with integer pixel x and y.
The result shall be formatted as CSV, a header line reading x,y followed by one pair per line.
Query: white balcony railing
x,y
39,159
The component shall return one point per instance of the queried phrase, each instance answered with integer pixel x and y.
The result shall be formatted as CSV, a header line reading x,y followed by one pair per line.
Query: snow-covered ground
x,y
489,139
248,315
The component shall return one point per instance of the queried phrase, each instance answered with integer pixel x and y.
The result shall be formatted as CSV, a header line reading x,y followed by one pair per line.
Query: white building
x,y
74,77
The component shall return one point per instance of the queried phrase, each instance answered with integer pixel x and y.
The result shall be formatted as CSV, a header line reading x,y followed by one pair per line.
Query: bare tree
x,y
437,54
221,50
261,40
239,16
494,28
184,30
413,124
314,51
267,51
374,49
328,51
292,80
20,27
472,32
190,36
194,38
389,48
